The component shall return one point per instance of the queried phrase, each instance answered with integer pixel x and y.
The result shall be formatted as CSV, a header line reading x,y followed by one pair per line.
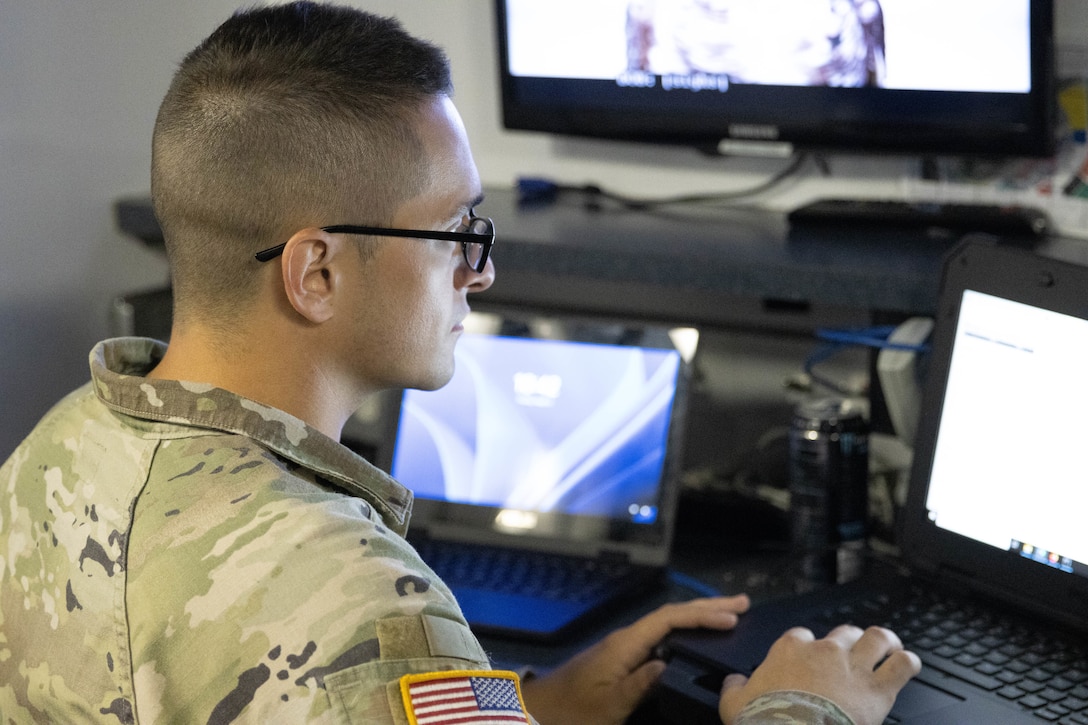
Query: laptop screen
x,y
1008,465
535,426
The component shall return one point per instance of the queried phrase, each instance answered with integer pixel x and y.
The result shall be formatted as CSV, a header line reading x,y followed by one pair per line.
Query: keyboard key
x,y
964,673
967,660
1032,702
1060,683
1075,703
1011,649
1009,677
977,649
1030,685
935,632
1011,692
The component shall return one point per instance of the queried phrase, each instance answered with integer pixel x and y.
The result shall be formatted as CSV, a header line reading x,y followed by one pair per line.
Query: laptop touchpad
x,y
919,698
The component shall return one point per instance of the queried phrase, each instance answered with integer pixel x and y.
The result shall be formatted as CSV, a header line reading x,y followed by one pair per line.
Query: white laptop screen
x,y
543,425
1008,469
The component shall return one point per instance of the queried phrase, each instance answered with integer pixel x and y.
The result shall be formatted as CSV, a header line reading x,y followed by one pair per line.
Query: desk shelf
x,y
691,265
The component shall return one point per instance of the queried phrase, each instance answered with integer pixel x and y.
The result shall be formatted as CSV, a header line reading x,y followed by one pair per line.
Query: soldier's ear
x,y
312,271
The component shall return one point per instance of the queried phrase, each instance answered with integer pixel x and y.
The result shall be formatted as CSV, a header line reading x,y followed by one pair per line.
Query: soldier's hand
x,y
605,683
861,672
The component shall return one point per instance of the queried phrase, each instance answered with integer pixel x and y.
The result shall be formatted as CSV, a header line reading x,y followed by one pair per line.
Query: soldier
x,y
184,540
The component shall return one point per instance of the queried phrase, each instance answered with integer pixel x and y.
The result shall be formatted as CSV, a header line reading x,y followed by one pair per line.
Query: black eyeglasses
x,y
476,235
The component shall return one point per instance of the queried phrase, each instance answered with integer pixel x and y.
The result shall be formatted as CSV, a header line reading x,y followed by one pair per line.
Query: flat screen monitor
x,y
956,77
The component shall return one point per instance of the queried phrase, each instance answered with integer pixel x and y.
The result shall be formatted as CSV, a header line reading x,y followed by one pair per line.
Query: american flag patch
x,y
463,698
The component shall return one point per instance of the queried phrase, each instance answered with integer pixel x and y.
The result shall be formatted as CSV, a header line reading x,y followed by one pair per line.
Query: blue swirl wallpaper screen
x,y
543,425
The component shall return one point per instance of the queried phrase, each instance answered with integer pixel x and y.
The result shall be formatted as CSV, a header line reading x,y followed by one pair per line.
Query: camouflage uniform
x,y
792,707
174,553
171,552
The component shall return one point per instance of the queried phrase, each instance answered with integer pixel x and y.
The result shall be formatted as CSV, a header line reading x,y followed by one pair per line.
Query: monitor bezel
x,y
800,118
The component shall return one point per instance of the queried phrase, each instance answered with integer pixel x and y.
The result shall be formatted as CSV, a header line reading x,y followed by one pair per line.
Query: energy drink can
x,y
829,489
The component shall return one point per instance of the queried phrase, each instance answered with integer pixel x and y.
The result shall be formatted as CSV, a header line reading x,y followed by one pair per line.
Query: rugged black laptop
x,y
993,592
544,471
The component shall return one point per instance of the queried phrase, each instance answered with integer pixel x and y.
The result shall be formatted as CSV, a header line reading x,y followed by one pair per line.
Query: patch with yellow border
x,y
463,697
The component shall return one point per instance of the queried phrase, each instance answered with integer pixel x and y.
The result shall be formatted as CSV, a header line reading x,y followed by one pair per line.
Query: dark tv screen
x,y
970,77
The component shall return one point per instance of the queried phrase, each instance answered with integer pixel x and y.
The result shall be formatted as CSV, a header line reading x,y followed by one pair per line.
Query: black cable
x,y
531,189
649,203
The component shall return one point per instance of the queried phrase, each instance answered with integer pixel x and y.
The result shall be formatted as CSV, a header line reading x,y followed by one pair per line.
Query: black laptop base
x,y
972,651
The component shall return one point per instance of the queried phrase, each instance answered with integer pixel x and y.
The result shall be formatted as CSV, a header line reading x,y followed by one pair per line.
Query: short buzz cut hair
x,y
286,116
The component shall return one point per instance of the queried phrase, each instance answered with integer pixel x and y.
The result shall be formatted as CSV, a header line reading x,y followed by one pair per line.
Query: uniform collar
x,y
119,368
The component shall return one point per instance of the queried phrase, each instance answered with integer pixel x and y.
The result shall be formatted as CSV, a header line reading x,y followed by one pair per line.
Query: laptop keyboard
x,y
531,573
1011,659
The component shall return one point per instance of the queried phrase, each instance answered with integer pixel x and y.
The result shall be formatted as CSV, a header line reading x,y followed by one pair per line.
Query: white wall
x,y
79,86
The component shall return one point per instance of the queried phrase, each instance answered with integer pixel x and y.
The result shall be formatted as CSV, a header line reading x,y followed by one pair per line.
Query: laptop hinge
x,y
945,574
